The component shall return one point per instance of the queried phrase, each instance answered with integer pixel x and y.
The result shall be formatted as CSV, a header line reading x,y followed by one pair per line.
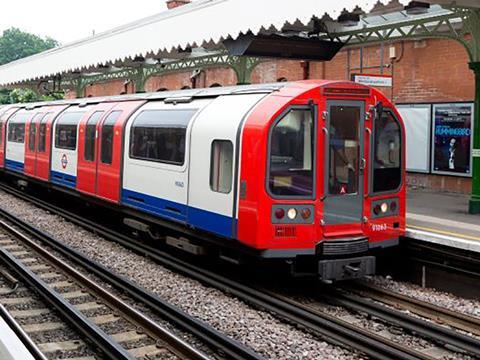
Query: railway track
x,y
106,322
331,329
460,321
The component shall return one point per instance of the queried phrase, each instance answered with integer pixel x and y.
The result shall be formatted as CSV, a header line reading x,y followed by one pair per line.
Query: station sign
x,y
476,153
373,80
452,139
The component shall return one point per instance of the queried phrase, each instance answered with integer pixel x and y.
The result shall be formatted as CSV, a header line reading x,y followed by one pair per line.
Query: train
x,y
310,174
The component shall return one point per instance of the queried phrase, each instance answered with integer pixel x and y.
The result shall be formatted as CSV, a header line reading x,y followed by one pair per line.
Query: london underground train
x,y
310,174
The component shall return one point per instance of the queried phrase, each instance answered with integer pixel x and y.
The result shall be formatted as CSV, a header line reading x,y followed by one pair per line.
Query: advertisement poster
x,y
452,139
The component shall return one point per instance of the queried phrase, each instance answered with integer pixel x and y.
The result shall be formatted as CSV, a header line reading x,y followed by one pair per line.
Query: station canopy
x,y
197,29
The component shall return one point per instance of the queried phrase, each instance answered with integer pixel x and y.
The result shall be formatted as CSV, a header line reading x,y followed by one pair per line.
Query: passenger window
x,y
66,130
90,132
107,136
42,134
387,162
292,155
221,166
16,128
159,135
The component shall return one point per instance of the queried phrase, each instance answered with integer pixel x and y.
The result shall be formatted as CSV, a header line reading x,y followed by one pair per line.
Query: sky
x,y
70,20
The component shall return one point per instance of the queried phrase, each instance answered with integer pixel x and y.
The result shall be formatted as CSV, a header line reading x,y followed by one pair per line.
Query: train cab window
x,y
292,155
107,136
387,162
66,130
221,166
42,134
159,135
90,134
16,128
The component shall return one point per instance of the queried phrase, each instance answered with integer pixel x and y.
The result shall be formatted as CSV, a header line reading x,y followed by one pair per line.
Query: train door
x,y
31,132
44,142
344,165
3,133
88,148
111,140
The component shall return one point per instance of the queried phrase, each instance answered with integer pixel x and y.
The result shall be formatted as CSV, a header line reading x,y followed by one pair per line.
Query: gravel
x,y
259,330
442,299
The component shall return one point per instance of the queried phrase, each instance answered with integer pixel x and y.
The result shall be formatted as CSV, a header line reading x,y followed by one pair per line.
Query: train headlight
x,y
384,207
292,213
377,210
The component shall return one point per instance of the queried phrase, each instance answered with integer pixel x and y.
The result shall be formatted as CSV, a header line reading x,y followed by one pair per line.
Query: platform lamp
x,y
417,8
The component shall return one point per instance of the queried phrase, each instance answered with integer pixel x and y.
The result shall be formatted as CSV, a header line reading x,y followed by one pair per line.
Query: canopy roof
x,y
203,23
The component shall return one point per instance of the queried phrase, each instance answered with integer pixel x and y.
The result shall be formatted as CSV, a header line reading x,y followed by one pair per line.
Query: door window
x,y
292,154
221,166
344,150
108,128
90,135
42,134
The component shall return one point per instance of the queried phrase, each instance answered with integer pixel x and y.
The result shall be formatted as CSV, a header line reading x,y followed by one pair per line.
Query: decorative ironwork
x,y
243,67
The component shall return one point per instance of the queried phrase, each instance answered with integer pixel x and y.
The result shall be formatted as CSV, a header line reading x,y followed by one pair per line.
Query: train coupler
x,y
346,269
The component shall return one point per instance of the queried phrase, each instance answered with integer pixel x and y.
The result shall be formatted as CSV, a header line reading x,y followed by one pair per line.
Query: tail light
x,y
279,214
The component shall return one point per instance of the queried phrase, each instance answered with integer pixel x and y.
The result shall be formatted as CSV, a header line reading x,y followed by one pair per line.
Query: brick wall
x,y
425,71
433,70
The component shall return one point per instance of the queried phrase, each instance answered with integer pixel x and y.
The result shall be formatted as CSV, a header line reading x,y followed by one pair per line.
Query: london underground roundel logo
x,y
64,161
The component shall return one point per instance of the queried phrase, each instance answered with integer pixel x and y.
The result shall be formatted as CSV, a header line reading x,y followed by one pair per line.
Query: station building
x,y
423,75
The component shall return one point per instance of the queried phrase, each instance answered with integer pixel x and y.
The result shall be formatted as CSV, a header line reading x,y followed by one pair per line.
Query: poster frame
x,y
432,139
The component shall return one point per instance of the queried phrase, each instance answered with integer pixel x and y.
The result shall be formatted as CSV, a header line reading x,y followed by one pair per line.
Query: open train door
x,y
3,132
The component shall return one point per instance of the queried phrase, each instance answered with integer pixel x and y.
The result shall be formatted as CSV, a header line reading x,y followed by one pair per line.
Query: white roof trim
x,y
200,22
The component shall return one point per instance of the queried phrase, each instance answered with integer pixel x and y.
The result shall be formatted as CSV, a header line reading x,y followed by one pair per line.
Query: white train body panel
x,y
63,170
211,204
15,151
157,187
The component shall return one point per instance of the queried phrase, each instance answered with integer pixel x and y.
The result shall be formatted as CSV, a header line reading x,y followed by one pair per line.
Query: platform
x,y
11,347
442,218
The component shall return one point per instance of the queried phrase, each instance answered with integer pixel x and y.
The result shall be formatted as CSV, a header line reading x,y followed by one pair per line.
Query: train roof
x,y
188,95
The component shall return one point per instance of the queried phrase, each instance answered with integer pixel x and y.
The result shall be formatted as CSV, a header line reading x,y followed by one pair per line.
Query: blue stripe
x,y
14,165
210,221
153,205
63,179
201,219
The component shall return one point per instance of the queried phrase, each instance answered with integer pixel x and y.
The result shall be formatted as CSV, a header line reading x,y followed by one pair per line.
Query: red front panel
x,y
43,148
111,151
3,133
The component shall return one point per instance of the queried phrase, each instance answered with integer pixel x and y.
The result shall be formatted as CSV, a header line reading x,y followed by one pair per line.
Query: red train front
x,y
322,182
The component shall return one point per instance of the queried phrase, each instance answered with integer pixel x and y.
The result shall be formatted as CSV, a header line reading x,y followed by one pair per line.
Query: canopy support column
x,y
474,207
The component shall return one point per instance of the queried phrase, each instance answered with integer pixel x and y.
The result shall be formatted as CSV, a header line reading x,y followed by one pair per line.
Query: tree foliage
x,y
16,44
